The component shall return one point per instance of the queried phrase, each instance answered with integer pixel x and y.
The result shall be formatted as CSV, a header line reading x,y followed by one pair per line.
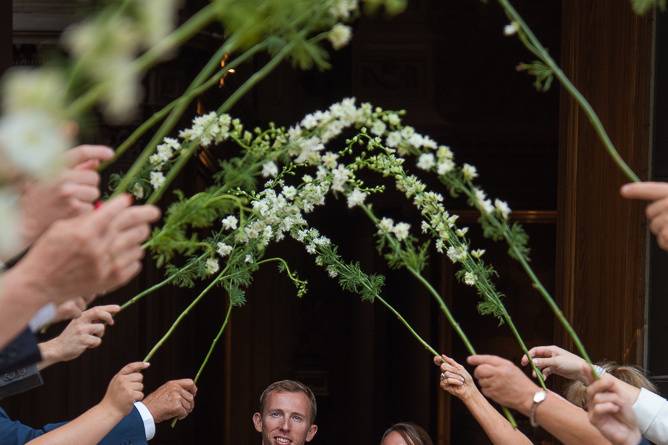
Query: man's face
x,y
285,419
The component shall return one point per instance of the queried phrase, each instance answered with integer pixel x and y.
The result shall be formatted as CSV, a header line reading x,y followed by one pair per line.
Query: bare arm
x,y
505,383
456,380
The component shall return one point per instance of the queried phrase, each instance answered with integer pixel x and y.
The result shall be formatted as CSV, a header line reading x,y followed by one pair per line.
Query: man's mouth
x,y
281,440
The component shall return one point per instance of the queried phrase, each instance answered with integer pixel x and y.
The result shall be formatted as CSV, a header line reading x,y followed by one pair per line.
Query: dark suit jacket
x,y
20,352
130,431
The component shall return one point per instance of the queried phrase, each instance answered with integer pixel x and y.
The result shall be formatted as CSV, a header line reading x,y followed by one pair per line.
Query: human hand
x,y
90,254
125,389
455,379
611,413
657,211
84,332
175,398
555,360
69,310
504,382
70,194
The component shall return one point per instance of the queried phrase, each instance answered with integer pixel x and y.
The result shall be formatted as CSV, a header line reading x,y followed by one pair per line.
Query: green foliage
x,y
642,6
543,74
518,240
392,7
351,278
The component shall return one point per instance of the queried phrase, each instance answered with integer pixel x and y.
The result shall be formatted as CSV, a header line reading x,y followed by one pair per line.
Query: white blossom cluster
x,y
400,230
205,130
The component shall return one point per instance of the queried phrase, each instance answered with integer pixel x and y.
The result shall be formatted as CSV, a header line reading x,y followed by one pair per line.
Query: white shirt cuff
x,y
42,317
147,418
646,408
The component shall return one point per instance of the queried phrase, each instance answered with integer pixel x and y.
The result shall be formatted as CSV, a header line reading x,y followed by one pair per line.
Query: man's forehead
x,y
293,402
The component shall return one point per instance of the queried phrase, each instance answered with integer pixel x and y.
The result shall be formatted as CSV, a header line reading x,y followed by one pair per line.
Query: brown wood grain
x,y
607,52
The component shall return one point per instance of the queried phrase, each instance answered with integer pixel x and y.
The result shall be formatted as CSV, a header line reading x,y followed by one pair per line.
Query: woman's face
x,y
394,438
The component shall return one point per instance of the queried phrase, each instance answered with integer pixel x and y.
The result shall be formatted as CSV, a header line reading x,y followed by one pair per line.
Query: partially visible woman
x,y
406,433
456,380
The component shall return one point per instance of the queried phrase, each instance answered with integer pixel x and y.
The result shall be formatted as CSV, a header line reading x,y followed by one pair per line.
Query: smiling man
x,y
287,414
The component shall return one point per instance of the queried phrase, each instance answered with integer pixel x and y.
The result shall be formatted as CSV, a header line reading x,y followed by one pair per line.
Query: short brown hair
x,y
411,433
290,386
576,391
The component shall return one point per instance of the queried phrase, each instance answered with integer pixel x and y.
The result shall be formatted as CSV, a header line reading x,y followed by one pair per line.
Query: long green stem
x,y
195,89
190,149
202,18
534,45
176,113
183,315
214,342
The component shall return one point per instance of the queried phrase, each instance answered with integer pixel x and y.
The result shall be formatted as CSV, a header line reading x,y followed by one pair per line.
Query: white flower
x,y
342,8
444,152
340,177
470,279
33,89
269,169
331,271
484,203
157,179
462,232
329,160
445,166
309,150
289,192
340,35
248,259
457,253
212,266
478,253
309,121
230,222
33,142
386,225
138,191
425,227
426,161
469,172
10,219
502,208
378,128
158,18
393,119
401,230
356,198
164,152
510,29
223,249
439,245
393,139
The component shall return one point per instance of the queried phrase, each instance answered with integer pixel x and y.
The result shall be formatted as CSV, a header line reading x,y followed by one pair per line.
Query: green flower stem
x,y
408,326
178,110
197,22
537,284
194,90
533,44
211,349
183,315
159,285
444,307
190,149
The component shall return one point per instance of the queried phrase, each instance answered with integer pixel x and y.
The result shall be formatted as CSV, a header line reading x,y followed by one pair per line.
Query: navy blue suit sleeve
x,y
129,431
20,352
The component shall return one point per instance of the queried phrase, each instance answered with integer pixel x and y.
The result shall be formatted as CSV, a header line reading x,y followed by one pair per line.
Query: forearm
x,y
565,421
87,429
498,429
19,302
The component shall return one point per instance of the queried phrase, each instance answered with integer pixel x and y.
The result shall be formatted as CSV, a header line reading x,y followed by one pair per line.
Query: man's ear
x,y
311,432
257,422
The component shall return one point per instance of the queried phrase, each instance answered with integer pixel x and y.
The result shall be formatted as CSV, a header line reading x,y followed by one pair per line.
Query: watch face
x,y
539,396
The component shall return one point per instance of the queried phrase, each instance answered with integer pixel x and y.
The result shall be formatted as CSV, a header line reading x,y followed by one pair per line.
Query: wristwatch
x,y
538,398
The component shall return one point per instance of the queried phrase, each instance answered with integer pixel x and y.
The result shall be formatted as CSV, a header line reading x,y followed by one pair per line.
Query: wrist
x,y
525,401
51,353
110,410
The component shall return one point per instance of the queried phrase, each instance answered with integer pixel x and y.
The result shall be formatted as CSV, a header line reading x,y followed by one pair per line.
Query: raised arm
x,y
505,383
456,380
92,426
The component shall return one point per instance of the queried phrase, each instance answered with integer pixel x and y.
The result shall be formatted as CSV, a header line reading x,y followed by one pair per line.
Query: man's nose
x,y
286,424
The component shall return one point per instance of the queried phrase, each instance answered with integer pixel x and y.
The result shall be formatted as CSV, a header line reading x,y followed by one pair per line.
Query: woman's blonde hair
x,y
576,391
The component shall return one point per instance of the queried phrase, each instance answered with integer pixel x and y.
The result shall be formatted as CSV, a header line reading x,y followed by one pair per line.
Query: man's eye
x,y
297,418
274,414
